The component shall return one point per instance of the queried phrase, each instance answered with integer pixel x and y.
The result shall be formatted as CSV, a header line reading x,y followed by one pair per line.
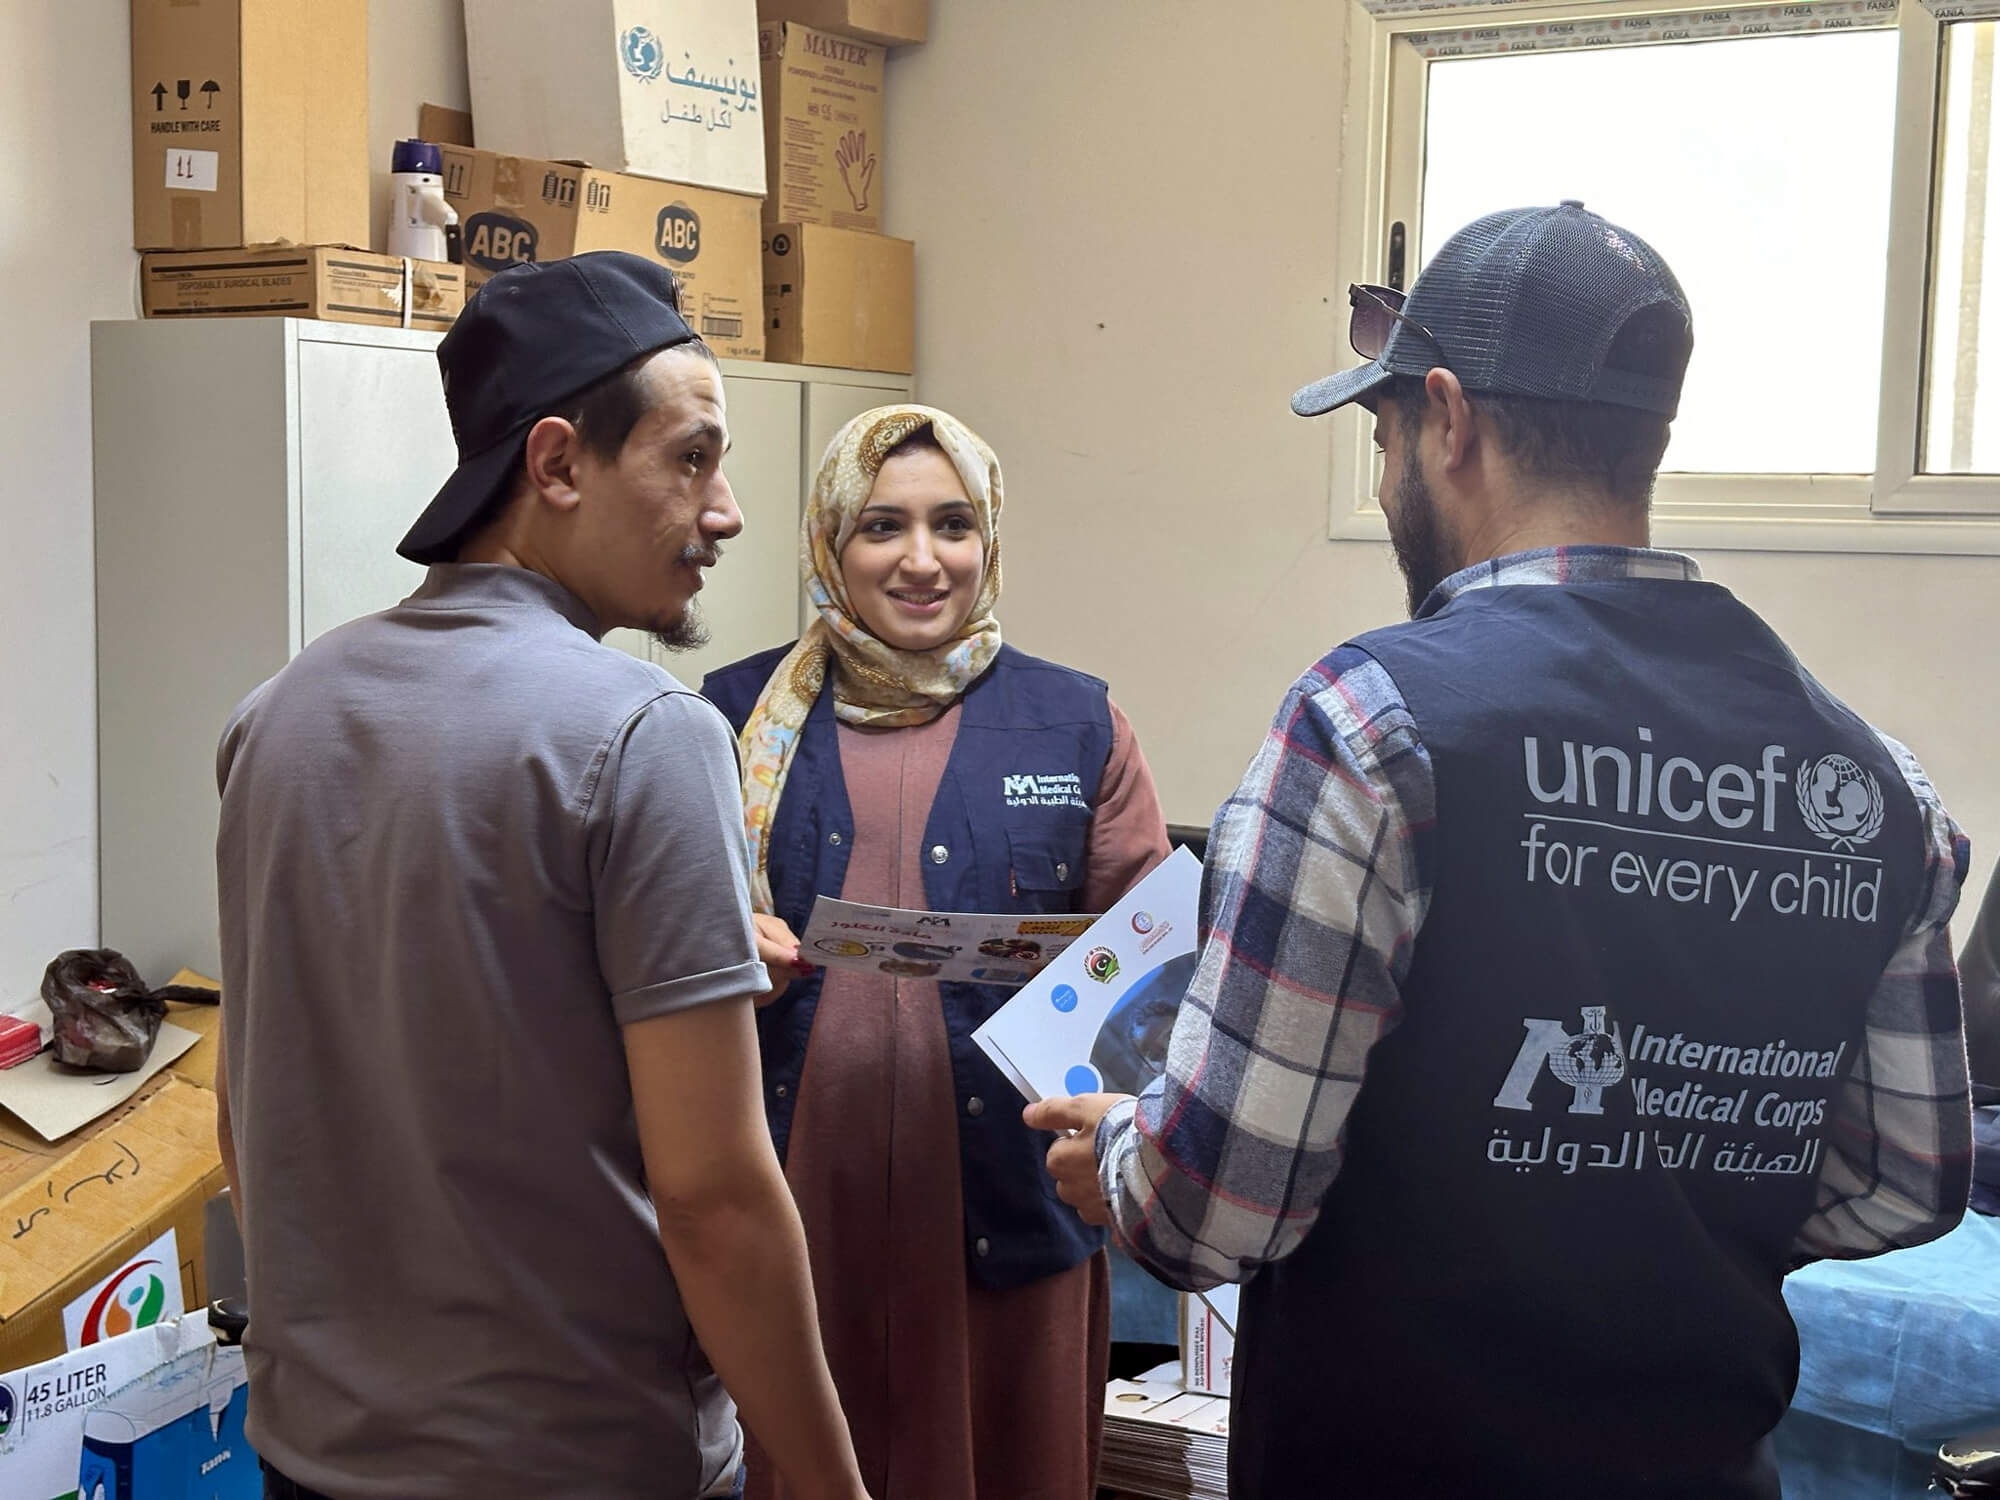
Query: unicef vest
x,y
1012,819
1668,872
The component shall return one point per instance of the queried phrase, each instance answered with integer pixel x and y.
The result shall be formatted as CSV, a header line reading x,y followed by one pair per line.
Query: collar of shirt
x,y
1562,565
484,585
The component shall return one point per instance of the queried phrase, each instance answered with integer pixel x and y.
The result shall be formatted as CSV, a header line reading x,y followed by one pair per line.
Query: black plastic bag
x,y
106,1017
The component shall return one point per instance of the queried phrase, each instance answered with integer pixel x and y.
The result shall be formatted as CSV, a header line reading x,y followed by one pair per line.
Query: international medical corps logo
x,y
134,1298
1589,1061
640,50
1840,801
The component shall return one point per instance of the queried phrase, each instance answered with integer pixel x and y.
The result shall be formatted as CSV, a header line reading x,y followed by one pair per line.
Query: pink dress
x,y
952,1391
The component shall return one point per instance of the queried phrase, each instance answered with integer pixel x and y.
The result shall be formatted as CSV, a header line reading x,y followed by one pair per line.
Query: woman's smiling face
x,y
916,559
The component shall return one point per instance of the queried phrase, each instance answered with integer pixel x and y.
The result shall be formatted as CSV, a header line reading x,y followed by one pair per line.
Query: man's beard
x,y
690,631
1425,549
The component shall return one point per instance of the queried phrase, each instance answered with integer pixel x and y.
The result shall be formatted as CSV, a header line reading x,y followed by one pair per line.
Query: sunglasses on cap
x,y
1376,310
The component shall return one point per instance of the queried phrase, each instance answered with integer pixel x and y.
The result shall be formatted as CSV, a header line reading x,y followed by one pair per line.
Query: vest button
x,y
939,854
1062,871
833,839
975,1106
982,1246
781,1091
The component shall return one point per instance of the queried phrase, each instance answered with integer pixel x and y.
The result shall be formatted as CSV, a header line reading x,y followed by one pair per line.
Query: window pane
x,y
1962,410
1758,167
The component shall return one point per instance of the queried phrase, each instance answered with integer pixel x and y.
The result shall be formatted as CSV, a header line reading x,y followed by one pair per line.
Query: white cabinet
x,y
253,476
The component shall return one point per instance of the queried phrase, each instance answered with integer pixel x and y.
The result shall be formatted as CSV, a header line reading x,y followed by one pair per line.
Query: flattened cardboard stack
x,y
1164,1443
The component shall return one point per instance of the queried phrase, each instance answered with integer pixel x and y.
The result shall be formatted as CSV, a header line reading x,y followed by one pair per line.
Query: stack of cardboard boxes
x,y
836,290
250,176
743,152
740,142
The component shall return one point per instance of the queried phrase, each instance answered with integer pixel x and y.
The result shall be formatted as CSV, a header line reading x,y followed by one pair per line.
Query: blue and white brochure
x,y
1099,1016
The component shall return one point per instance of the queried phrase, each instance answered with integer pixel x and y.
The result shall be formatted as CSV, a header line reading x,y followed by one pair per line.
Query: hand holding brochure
x,y
1098,1017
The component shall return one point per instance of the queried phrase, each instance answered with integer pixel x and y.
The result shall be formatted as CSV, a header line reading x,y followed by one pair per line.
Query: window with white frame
x,y
1819,176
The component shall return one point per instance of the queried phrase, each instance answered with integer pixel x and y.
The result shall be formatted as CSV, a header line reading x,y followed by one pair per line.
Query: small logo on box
x,y
640,50
678,237
1101,964
134,1298
8,1408
1063,998
1142,922
494,242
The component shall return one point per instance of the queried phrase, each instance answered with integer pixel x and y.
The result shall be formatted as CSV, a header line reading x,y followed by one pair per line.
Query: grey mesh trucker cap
x,y
1555,303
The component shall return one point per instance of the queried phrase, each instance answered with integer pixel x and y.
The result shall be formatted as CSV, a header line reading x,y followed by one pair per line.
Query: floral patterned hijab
x,y
874,684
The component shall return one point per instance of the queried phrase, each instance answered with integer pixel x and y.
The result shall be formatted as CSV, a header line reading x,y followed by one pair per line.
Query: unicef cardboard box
x,y
514,209
661,88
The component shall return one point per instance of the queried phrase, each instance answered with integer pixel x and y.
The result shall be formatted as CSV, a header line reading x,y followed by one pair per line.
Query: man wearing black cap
x,y
1574,964
491,1095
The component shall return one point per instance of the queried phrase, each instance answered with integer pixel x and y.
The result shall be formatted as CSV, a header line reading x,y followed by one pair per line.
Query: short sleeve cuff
x,y
738,982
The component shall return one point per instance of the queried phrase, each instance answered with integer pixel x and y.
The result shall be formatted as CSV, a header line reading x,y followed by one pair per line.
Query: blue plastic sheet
x,y
1897,1354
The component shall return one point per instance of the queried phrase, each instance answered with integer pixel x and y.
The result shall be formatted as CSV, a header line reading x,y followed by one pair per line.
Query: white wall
x,y
65,258
416,56
1124,215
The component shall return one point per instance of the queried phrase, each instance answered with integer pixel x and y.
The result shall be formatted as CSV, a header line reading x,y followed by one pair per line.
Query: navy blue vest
x,y
984,850
1668,871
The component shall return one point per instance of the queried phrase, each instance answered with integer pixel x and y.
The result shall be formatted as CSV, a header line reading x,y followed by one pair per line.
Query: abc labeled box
x,y
513,209
663,88
322,281
839,297
823,127
249,123
890,22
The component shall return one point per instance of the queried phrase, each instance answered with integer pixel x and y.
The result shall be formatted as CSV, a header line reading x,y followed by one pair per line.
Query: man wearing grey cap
x,y
1574,964
491,1102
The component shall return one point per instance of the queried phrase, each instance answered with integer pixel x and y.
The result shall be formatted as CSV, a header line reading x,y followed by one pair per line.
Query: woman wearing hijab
x,y
900,755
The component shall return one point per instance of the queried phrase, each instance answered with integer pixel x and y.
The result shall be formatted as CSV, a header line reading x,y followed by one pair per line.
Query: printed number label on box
x,y
192,171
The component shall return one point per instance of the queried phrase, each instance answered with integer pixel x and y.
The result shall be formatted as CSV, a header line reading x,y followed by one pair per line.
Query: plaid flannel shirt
x,y
1312,900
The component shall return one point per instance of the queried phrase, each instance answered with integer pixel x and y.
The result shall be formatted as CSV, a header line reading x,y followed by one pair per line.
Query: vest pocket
x,y
1045,866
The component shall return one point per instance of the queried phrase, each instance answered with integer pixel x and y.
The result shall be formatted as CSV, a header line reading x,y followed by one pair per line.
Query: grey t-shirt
x,y
462,844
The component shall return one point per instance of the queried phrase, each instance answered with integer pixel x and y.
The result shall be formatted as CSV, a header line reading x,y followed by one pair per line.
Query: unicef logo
x,y
1840,801
1063,998
640,50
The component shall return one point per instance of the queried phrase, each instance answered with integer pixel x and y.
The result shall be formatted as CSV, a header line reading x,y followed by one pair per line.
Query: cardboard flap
x,y
104,1190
